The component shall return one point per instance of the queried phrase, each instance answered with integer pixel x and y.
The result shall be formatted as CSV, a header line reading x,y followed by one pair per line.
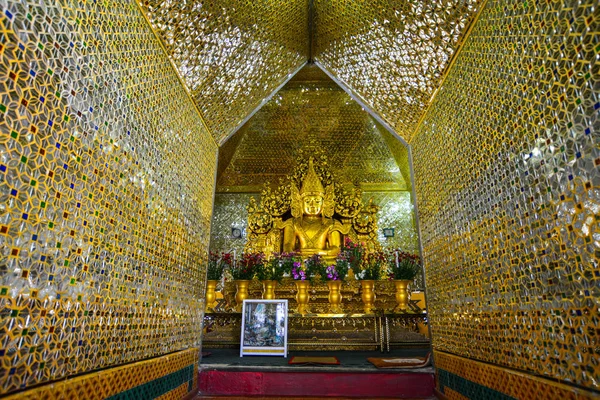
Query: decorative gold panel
x,y
232,54
167,377
507,165
461,378
304,110
106,181
391,53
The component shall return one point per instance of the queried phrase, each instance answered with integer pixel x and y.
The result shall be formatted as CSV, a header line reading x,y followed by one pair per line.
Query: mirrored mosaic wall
x,y
230,212
507,165
391,53
231,54
106,181
395,211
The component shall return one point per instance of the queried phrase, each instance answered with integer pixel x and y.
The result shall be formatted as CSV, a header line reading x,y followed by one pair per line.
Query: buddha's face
x,y
313,204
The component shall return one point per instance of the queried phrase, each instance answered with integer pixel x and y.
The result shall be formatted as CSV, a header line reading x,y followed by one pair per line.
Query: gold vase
x,y
401,294
269,290
302,297
241,293
335,297
211,296
368,295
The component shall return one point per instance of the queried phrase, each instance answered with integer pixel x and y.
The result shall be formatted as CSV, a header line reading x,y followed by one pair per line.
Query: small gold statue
x,y
311,230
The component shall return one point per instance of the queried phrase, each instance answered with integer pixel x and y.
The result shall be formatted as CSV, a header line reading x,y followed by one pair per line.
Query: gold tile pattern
x,y
176,394
229,212
392,54
115,381
453,395
311,110
231,55
395,211
106,181
510,383
400,153
507,165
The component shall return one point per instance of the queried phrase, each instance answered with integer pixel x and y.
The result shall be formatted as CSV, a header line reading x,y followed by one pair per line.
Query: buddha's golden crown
x,y
312,184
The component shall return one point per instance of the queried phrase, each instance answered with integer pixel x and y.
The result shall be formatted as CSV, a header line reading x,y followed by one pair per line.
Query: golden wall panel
x,y
461,378
305,111
167,377
106,181
507,165
392,54
231,54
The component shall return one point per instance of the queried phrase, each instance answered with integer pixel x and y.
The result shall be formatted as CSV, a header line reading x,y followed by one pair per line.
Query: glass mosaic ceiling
x,y
232,55
310,108
393,54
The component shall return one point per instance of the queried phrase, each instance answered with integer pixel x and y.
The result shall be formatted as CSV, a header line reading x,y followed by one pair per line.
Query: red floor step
x,y
402,385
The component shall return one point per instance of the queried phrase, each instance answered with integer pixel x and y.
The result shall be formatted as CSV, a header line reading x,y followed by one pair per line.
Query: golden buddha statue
x,y
306,215
311,230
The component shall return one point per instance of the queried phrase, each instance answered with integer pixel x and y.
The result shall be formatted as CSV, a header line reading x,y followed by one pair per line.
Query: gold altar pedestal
x,y
241,293
327,332
335,297
320,329
401,294
211,296
302,297
368,295
269,289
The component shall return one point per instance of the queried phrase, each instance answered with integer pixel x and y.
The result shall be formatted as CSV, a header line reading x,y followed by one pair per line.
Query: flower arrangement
x,y
403,265
337,271
247,267
354,253
217,263
308,269
314,266
286,261
331,273
342,265
271,270
298,271
372,266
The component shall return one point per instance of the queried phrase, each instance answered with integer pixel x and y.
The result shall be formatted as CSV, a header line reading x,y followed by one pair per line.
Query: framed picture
x,y
264,328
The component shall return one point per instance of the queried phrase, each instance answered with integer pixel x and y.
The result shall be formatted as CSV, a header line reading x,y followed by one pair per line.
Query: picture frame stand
x,y
264,328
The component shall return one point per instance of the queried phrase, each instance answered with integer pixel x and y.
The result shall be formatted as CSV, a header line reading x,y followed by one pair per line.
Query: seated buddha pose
x,y
311,230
